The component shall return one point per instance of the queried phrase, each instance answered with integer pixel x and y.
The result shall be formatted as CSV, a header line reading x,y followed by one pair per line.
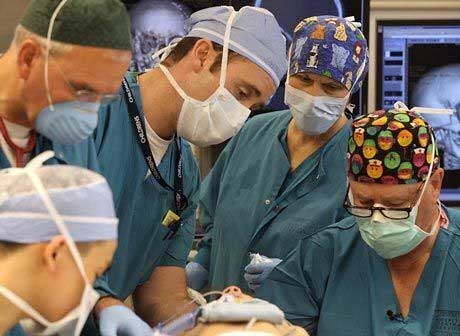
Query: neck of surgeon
x,y
11,107
161,105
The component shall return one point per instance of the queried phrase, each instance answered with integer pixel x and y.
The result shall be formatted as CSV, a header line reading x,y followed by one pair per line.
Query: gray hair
x,y
56,48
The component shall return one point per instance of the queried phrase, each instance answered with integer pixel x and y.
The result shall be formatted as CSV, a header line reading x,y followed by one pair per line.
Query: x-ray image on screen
x,y
154,24
440,88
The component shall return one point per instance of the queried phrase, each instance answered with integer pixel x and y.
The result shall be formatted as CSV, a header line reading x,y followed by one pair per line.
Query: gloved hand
x,y
258,270
121,321
197,276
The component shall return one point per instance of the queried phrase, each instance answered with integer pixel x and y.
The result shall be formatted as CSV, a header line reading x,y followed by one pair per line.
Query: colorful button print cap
x,y
330,46
391,147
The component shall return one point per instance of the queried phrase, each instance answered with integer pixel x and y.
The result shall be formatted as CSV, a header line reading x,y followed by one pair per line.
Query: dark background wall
x,y
10,13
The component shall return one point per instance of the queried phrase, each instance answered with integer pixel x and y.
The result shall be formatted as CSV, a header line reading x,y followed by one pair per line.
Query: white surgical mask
x,y
315,115
216,119
74,321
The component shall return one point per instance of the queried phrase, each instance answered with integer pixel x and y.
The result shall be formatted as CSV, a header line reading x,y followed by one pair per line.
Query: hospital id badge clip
x,y
173,222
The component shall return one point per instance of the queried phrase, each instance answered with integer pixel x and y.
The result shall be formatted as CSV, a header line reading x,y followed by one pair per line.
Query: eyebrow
x,y
84,86
252,89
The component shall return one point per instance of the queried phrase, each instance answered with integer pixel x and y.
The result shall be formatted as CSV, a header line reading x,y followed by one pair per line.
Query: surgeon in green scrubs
x,y
392,268
230,61
283,176
51,90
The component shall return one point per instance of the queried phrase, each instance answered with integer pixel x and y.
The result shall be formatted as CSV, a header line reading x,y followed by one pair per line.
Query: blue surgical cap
x,y
255,34
330,46
82,198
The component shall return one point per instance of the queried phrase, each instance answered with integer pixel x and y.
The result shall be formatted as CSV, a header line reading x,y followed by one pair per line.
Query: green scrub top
x,y
250,202
141,203
334,284
82,154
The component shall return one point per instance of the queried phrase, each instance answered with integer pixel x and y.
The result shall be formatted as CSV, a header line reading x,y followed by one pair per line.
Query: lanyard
x,y
180,200
19,152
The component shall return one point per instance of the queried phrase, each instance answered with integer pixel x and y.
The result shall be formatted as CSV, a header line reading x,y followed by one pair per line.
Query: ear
x,y
202,54
436,181
29,53
52,251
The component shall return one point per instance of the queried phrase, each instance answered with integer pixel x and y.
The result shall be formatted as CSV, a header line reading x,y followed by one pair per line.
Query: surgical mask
x,y
68,122
72,323
216,119
314,115
392,238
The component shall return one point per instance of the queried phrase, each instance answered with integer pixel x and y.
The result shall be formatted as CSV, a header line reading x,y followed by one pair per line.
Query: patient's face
x,y
65,285
215,329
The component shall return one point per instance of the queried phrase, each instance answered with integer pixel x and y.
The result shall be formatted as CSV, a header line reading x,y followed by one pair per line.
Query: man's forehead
x,y
401,191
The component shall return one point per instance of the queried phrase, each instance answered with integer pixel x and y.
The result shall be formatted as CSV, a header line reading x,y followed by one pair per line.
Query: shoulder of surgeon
x,y
454,220
334,240
267,120
264,125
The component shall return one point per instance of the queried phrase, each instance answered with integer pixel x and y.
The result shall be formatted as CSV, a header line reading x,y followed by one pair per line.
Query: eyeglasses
x,y
87,96
390,213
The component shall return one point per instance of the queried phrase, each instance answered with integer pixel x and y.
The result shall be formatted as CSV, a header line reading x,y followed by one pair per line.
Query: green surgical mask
x,y
392,238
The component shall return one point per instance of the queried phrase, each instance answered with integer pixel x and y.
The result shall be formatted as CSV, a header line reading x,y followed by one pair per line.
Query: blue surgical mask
x,y
68,122
314,115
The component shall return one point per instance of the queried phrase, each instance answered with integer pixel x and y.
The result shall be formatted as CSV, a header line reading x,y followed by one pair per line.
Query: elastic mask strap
x,y
47,55
228,30
23,305
429,171
359,73
58,220
399,105
173,81
163,53
289,65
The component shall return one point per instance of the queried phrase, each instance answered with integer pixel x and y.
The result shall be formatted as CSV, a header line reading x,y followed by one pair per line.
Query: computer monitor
x,y
418,62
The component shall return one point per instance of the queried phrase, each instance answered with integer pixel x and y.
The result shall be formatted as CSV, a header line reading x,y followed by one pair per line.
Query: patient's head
x,y
254,328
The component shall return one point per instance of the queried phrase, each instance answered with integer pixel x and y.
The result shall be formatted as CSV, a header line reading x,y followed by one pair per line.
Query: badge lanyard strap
x,y
180,200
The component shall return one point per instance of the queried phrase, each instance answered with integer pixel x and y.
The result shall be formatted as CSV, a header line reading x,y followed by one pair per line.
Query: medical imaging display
x,y
419,64
154,24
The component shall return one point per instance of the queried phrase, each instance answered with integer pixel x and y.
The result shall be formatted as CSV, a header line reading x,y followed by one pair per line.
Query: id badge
x,y
170,218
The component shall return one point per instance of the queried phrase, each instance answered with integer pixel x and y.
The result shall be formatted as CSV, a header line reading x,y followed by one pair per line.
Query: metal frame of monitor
x,y
448,196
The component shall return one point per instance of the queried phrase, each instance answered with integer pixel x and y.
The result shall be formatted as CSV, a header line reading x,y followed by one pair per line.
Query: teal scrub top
x,y
334,284
82,154
250,202
141,203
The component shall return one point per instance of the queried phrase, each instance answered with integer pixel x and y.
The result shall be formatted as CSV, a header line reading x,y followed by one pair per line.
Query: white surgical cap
x,y
255,34
81,197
